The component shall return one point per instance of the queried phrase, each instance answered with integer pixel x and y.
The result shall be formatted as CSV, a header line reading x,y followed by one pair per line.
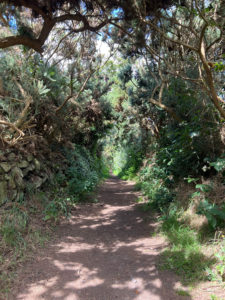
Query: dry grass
x,y
189,203
22,231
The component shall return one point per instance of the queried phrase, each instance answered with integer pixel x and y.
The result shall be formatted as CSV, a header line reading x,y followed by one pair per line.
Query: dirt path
x,y
105,252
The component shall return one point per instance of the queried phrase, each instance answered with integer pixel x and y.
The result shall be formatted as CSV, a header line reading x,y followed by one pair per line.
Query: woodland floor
x,y
106,251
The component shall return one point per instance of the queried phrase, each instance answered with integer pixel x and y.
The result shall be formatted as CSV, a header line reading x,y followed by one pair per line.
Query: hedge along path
x,y
104,252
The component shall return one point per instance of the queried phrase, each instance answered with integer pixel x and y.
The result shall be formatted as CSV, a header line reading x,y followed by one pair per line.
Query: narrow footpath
x,y
106,251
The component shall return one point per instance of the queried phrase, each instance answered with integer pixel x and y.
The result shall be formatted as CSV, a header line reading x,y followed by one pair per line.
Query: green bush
x,y
84,172
155,184
127,161
82,175
58,206
178,150
214,214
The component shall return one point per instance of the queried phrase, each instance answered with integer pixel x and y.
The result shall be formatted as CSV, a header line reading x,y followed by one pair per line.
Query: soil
x,y
106,251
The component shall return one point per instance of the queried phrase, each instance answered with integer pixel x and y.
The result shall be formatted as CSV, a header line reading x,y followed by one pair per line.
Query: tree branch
x,y
20,40
166,37
11,125
209,77
166,108
48,25
24,112
77,96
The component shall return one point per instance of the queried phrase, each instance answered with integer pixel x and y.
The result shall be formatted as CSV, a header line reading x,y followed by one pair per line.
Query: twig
x,y
11,98
77,96
21,133
29,100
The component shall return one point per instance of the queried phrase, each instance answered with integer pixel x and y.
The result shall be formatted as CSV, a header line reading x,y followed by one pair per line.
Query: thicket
x,y
162,151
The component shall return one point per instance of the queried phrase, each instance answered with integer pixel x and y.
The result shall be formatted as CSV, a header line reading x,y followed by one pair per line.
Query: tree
x,y
41,98
36,19
187,43
184,41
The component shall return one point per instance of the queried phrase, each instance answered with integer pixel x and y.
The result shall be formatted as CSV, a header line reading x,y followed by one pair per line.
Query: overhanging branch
x,y
37,44
20,40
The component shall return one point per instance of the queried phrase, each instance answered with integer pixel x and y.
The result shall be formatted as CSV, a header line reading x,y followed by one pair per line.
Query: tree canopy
x,y
73,16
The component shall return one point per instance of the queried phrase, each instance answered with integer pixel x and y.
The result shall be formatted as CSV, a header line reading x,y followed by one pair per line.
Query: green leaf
x,y
219,165
204,187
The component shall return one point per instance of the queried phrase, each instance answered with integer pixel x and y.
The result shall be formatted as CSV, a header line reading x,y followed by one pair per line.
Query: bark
x,y
209,76
48,25
28,100
21,40
166,108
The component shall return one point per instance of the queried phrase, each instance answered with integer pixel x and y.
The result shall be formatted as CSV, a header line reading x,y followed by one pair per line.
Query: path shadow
x,y
105,252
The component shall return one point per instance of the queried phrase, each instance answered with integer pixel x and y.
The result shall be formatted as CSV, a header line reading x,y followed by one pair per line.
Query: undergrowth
x,y
192,253
22,231
184,254
84,173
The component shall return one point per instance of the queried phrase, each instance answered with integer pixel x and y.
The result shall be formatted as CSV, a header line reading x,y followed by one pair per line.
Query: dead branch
x,y
73,96
13,126
24,112
11,98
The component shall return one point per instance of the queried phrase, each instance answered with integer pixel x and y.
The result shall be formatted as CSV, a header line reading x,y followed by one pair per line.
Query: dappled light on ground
x,y
104,252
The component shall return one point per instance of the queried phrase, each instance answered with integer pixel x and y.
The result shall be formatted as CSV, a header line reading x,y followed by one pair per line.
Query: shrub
x,y
214,214
127,161
84,172
155,185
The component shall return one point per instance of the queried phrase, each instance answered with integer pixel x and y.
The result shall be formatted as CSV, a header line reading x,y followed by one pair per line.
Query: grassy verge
x,y
185,253
191,222
22,230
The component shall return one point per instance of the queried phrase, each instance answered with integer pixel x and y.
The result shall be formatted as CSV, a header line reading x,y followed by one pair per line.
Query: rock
x,y
12,156
37,181
18,176
37,164
44,178
30,157
23,164
12,194
17,172
50,177
11,183
3,192
28,169
3,158
6,166
7,177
